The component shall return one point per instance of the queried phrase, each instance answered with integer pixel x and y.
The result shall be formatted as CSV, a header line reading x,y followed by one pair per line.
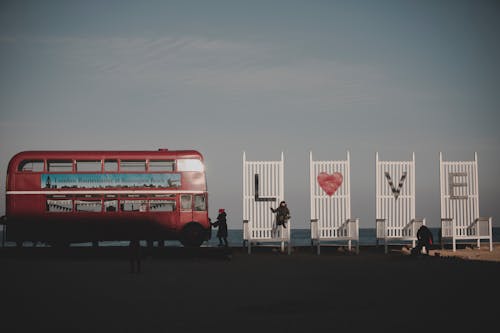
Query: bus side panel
x,y
24,181
165,220
77,230
24,217
196,181
25,205
185,217
202,218
28,219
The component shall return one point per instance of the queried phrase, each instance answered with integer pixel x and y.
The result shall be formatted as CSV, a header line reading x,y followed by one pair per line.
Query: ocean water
x,y
300,237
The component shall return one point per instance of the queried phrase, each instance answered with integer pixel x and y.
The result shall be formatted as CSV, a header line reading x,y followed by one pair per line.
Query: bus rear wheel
x,y
192,235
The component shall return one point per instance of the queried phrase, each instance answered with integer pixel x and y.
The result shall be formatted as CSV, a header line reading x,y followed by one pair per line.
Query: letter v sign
x,y
396,191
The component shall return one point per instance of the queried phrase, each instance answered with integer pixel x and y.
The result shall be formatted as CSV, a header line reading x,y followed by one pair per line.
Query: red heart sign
x,y
330,183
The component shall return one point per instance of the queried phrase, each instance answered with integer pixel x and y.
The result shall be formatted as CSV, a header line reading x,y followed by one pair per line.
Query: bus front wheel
x,y
192,235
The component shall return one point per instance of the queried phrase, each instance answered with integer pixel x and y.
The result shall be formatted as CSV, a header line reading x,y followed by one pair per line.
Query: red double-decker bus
x,y
63,197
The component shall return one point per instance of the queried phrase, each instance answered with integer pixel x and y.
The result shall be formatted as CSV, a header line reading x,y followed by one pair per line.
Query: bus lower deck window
x,y
161,206
111,205
88,206
133,205
59,206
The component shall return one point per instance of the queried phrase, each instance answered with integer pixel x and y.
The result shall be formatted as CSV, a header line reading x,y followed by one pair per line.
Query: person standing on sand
x,y
135,256
424,238
221,223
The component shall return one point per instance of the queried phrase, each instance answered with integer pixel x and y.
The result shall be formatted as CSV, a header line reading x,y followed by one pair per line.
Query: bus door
x,y
200,208
193,208
186,211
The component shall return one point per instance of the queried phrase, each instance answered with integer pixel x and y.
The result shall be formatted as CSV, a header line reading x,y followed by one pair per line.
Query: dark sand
x,y
213,290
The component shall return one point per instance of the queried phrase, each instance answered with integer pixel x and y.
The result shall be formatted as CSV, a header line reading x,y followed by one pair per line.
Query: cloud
x,y
148,55
220,67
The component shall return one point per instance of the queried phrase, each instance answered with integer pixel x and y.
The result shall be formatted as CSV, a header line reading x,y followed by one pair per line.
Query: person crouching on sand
x,y
424,239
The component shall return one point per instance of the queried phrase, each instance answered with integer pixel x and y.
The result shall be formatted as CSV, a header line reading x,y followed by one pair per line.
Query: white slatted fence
x,y
460,218
330,194
395,201
263,189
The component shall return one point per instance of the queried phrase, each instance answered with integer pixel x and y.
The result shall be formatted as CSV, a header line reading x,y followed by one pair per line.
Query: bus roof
x,y
103,154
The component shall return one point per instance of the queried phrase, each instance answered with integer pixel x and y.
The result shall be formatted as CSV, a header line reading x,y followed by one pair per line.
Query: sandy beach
x,y
471,253
92,290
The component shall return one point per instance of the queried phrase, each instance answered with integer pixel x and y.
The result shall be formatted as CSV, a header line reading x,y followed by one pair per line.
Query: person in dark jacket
x,y
135,255
221,224
424,238
282,214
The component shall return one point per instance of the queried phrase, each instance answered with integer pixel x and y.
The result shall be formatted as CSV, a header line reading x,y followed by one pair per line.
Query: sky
x,y
260,77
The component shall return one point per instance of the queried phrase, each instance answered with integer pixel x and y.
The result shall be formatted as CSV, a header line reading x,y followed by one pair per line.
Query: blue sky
x,y
262,77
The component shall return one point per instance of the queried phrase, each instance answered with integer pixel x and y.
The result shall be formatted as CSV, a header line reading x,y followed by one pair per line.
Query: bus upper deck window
x,y
88,166
31,166
60,166
158,165
133,165
110,165
189,164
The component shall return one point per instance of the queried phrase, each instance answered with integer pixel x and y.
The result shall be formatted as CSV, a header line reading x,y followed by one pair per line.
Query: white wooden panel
x,y
330,205
395,198
257,202
460,218
459,196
